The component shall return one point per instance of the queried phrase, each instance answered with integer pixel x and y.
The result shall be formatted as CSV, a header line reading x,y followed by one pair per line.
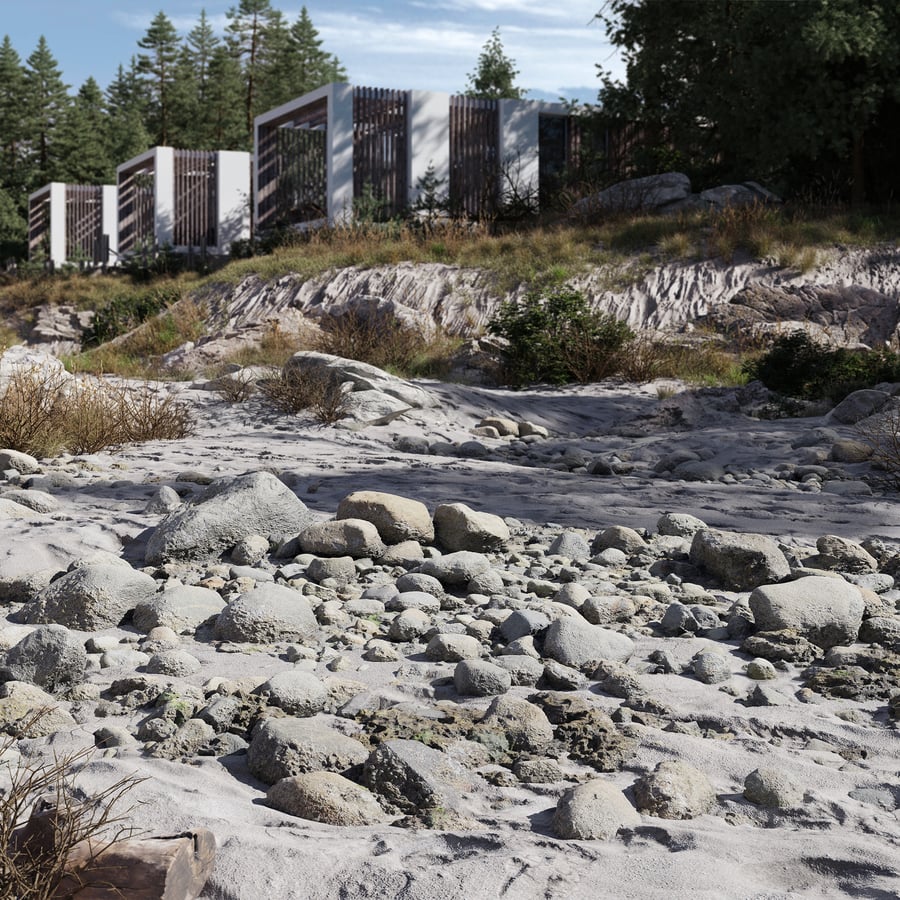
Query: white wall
x,y
233,198
428,139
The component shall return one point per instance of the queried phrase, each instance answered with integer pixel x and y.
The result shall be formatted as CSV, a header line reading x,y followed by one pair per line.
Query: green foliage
x,y
495,76
783,93
159,68
125,312
799,366
555,336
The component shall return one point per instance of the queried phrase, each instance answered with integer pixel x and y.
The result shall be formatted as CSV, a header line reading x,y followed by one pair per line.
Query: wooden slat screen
x,y
136,207
293,176
380,123
39,225
474,155
195,199
84,220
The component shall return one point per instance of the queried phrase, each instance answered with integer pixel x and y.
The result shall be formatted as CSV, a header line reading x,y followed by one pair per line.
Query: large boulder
x,y
182,608
674,790
342,537
574,642
858,406
297,692
595,810
290,746
458,527
51,657
265,614
325,797
826,611
230,509
414,777
740,561
525,725
396,518
91,597
647,193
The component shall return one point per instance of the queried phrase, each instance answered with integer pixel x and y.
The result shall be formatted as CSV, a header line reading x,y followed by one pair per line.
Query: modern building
x,y
184,199
73,223
340,148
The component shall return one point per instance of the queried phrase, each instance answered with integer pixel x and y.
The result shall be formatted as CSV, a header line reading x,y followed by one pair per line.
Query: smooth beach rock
x,y
51,657
525,725
297,692
267,613
459,527
181,607
595,810
396,518
356,538
325,797
740,561
575,642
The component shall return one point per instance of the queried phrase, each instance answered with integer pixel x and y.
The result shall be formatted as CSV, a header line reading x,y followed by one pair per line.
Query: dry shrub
x,y
44,411
316,390
34,848
235,387
374,339
882,433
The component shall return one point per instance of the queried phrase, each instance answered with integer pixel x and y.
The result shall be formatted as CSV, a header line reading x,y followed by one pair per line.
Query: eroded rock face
x,y
230,509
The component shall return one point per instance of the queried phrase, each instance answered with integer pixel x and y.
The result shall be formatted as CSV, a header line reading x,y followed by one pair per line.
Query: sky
x,y
423,44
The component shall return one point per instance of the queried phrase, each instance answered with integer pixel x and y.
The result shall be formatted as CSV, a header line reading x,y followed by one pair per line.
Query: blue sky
x,y
425,44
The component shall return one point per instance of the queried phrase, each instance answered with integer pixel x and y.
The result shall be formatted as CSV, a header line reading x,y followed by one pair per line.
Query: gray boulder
x,y
414,777
458,527
857,406
297,692
325,797
182,608
342,537
91,597
574,642
771,788
479,678
51,657
595,810
265,614
647,193
525,725
826,611
740,561
674,790
456,569
396,518
229,510
290,746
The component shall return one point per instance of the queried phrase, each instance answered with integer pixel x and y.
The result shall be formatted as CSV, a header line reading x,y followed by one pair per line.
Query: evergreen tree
x,y
126,103
47,100
192,86
13,122
311,66
274,68
158,66
223,117
248,27
494,78
83,139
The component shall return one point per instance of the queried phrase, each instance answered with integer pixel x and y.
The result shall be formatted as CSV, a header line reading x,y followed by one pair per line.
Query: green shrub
x,y
554,336
127,311
797,365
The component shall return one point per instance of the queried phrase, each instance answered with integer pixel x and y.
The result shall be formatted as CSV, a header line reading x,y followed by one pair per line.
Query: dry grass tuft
x,y
43,820
43,412
318,391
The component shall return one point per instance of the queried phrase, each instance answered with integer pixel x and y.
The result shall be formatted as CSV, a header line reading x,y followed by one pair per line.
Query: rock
x,y
575,642
850,451
267,613
650,192
414,777
27,710
456,569
562,678
164,500
857,406
91,597
290,746
250,550
525,725
356,538
771,788
372,407
340,569
51,657
409,625
711,667
523,670
458,527
595,810
760,670
39,501
842,554
325,797
453,648
674,790
479,678
185,742
784,644
175,663
228,510
298,693
618,537
826,611
740,561
396,518
679,525
183,608
571,545
523,622
23,463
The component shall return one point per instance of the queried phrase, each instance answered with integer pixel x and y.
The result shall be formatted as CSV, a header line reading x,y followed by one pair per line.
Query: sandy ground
x,y
834,846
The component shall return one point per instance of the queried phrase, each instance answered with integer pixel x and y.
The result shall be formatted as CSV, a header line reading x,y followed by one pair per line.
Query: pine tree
x,y
13,123
223,117
83,139
158,65
311,66
47,100
494,78
247,31
126,103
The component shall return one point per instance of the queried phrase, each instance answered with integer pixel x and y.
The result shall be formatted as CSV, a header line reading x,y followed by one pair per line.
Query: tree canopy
x,y
796,93
495,75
